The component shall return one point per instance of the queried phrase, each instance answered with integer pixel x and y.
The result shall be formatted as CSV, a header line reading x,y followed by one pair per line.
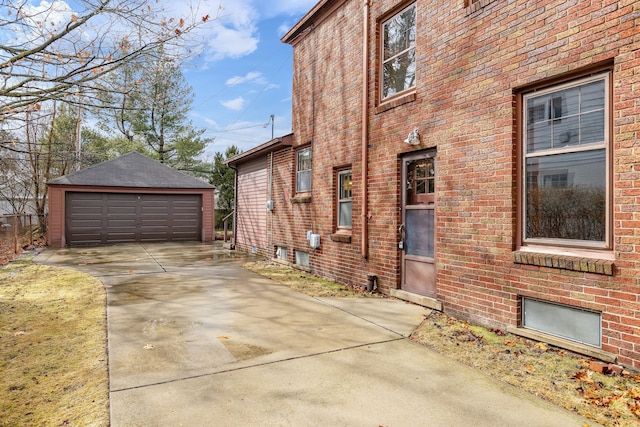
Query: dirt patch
x,y
243,351
53,355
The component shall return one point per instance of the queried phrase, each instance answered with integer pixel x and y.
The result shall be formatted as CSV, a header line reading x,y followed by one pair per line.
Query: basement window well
x,y
575,324
302,258
281,252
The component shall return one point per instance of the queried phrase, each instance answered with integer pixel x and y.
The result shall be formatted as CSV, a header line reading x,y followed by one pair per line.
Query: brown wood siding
x,y
252,195
93,218
208,216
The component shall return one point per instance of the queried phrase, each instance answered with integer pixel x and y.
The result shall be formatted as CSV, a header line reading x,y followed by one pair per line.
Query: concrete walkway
x,y
196,340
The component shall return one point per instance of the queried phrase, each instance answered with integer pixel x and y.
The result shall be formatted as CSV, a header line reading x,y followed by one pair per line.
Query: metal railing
x,y
228,240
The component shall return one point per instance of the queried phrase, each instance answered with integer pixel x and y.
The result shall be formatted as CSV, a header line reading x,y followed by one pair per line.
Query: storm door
x,y
417,231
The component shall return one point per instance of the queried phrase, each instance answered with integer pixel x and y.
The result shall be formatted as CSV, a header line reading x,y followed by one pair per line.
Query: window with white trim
x,y
303,170
345,185
399,53
565,150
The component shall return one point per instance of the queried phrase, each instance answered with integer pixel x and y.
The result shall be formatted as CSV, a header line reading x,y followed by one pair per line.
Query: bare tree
x,y
54,60
15,181
49,142
51,52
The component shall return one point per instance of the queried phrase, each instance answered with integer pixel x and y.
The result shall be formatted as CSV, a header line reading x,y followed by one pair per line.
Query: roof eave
x,y
263,149
313,17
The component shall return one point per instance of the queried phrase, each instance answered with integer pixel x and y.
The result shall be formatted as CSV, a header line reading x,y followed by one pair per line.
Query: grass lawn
x,y
53,347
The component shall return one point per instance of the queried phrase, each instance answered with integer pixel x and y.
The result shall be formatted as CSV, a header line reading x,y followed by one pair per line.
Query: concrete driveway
x,y
196,340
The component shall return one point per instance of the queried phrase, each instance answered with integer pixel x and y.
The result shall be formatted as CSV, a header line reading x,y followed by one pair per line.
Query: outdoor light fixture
x,y
413,138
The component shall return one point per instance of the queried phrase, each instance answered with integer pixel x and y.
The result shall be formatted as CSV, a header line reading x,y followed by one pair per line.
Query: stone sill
x,y
340,237
395,102
301,199
431,303
566,262
587,350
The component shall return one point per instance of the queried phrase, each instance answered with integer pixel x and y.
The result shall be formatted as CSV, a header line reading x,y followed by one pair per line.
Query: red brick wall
x,y
470,68
55,218
326,103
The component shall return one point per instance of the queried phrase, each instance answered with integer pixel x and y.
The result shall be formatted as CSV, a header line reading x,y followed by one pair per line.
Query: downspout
x,y
364,249
235,204
272,204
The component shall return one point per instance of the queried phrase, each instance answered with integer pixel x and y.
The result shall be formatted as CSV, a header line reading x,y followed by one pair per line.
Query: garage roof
x,y
131,170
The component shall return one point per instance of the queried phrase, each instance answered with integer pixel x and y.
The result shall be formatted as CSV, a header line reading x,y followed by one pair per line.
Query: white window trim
x,y
339,200
298,171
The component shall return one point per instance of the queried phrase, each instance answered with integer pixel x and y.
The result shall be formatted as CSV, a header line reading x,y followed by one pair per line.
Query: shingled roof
x,y
131,170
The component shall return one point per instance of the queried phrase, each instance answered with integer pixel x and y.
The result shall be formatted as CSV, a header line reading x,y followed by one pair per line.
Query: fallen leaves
x,y
609,396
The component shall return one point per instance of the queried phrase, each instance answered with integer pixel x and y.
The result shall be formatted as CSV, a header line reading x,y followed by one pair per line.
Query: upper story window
x,y
303,170
399,52
345,185
566,156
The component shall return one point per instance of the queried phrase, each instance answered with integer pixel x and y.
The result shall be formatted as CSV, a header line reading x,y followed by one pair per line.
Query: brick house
x,y
477,157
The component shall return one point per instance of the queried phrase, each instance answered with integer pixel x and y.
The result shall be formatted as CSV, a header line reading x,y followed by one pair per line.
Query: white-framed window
x,y
302,258
565,168
345,186
398,53
303,170
281,252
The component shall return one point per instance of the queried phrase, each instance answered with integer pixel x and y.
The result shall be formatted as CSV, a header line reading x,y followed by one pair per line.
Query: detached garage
x,y
129,199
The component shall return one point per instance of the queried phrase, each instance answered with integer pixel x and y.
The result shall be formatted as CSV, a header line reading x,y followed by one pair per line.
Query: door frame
x,y
428,200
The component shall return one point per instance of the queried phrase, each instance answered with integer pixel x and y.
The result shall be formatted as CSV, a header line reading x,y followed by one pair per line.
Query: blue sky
x,y
243,76
240,76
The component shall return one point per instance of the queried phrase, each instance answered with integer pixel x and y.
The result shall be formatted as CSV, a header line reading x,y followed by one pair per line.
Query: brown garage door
x,y
93,218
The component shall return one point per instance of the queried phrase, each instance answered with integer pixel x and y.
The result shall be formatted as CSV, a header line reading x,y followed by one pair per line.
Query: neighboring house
x,y
129,199
254,194
478,157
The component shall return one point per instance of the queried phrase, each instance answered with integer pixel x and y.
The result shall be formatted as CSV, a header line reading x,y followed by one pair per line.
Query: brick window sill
x,y
395,102
301,199
341,237
565,262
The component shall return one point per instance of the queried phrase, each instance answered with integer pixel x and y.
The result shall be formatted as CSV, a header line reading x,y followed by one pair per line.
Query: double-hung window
x,y
565,164
345,184
303,170
399,52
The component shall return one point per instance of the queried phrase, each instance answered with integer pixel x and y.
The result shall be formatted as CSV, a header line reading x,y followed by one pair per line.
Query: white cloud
x,y
252,76
234,104
208,121
233,34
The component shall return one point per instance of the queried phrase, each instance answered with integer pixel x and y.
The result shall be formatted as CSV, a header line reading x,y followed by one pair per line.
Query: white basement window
x,y
576,324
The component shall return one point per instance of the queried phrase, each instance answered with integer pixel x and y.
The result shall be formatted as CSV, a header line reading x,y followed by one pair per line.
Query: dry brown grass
x,y
305,282
52,347
558,376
